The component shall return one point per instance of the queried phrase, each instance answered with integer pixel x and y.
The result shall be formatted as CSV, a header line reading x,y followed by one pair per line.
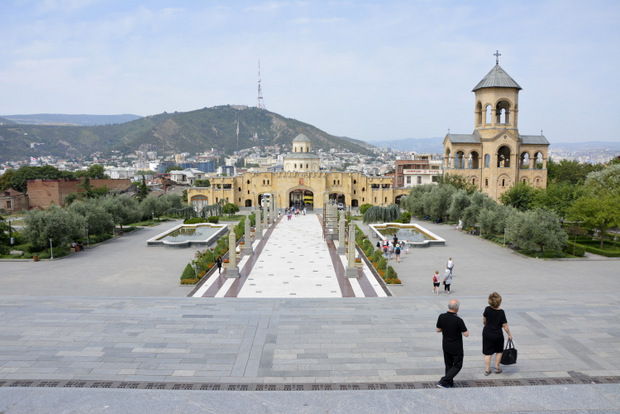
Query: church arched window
x,y
487,161
503,157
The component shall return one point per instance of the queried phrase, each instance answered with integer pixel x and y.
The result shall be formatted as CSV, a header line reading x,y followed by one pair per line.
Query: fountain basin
x,y
188,235
416,235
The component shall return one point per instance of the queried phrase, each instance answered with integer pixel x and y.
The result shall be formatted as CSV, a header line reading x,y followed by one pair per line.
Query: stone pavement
x,y
126,352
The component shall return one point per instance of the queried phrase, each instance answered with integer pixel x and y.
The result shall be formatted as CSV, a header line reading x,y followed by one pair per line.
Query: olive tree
x,y
536,229
96,218
123,208
460,201
61,225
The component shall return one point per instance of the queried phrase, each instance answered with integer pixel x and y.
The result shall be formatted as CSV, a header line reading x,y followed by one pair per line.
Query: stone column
x,y
247,249
341,236
232,271
259,230
351,269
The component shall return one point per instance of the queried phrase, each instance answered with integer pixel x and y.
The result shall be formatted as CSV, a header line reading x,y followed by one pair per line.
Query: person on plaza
x,y
395,241
406,246
450,264
397,252
453,330
436,282
494,319
459,226
447,280
385,248
218,263
390,250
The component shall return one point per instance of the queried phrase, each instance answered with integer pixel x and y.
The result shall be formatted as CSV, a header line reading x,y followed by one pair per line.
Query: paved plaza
x,y
111,330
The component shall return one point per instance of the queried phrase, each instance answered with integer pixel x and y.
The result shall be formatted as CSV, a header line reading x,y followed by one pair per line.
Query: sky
x,y
371,70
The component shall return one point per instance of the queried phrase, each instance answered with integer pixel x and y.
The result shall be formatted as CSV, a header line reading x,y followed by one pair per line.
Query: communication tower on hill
x,y
261,103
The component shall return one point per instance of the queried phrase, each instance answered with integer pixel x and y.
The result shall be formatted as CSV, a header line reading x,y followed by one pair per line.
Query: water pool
x,y
186,235
416,235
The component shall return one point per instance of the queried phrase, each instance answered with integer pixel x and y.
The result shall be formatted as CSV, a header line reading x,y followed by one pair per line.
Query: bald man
x,y
453,330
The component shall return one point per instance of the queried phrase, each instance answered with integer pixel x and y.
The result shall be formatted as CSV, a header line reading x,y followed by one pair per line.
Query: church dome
x,y
497,78
301,138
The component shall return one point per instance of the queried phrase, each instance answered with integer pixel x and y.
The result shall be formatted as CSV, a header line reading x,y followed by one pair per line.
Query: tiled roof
x,y
464,138
534,139
497,78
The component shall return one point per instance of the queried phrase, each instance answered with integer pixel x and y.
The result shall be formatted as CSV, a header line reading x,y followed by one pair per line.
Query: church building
x,y
301,184
496,156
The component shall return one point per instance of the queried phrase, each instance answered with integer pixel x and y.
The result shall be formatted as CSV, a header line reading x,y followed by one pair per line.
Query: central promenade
x,y
109,346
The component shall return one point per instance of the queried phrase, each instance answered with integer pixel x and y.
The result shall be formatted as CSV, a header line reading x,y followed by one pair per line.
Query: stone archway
x,y
300,198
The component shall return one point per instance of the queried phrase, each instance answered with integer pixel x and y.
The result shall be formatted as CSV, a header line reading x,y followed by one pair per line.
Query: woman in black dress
x,y
493,319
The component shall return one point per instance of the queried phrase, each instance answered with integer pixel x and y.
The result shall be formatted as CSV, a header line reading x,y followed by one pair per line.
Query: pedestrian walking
x,y
453,330
397,252
390,250
436,282
494,319
447,280
450,264
406,246
218,263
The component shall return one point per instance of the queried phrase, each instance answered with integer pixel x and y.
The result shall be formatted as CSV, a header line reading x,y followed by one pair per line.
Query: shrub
x,y
194,220
191,281
406,217
364,208
213,219
188,273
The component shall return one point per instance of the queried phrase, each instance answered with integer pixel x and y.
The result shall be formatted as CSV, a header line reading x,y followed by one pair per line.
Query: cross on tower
x,y
497,55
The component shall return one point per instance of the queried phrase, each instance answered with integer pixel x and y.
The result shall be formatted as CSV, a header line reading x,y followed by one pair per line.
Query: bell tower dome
x,y
497,101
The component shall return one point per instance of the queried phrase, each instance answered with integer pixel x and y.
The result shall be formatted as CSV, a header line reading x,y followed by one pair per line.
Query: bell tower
x,y
496,156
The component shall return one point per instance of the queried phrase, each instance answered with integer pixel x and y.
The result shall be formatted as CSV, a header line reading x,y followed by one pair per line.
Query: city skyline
x,y
374,71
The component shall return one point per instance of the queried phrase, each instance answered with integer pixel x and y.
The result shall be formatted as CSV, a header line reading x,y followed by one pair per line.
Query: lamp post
x,y
153,214
11,234
51,249
87,238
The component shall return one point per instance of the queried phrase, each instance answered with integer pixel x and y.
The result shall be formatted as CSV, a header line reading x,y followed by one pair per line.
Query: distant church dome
x,y
301,159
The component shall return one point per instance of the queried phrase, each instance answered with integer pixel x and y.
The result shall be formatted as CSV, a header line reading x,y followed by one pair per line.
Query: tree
x,y
19,179
492,219
460,201
5,180
415,201
143,189
96,218
364,208
599,208
124,209
437,202
87,187
536,229
5,237
61,225
95,171
202,183
597,212
572,172
478,202
378,214
558,197
520,196
230,209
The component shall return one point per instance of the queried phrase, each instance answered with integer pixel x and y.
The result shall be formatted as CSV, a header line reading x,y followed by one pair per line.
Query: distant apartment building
x,y
418,170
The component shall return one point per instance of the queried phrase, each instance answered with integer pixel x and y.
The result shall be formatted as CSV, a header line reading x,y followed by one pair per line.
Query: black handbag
x,y
509,356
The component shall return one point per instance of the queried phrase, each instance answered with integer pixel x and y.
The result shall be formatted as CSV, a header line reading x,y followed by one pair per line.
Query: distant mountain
x,y
419,145
192,132
4,121
63,119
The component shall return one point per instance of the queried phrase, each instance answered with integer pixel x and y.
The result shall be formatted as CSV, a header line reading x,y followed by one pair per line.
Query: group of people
x,y
446,279
77,247
296,211
453,329
393,248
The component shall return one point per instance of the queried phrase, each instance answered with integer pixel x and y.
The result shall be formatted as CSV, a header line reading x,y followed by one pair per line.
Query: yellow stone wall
x,y
246,188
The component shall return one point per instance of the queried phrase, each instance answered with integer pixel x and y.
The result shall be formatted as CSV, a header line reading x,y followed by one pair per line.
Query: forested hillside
x,y
170,133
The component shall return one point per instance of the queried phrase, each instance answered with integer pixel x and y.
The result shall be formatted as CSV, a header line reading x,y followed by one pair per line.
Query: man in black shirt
x,y
452,329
